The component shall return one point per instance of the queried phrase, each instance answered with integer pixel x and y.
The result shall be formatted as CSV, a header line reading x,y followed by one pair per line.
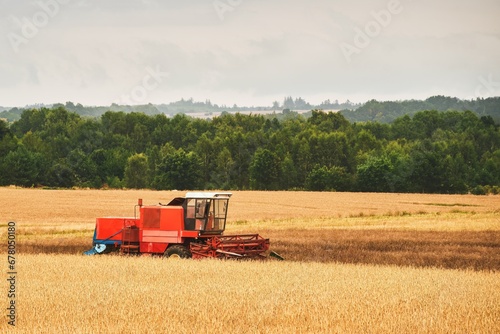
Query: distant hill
x,y
371,111
388,111
184,106
14,114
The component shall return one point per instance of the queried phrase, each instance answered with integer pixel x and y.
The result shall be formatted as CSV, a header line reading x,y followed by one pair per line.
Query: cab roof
x,y
193,194
178,201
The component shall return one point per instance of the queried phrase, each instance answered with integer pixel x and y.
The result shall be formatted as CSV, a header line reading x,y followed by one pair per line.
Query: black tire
x,y
177,251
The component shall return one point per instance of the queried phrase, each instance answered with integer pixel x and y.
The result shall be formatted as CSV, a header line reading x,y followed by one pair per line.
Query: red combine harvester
x,y
190,226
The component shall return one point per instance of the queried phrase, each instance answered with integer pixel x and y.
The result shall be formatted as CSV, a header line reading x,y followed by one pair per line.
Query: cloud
x,y
93,51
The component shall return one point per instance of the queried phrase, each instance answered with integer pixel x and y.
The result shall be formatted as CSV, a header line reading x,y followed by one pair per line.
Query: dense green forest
x,y
431,151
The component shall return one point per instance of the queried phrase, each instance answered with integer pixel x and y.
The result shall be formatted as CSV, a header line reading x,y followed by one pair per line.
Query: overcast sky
x,y
248,52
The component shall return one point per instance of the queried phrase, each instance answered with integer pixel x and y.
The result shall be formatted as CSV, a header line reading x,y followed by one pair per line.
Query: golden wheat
x,y
54,208
118,294
304,226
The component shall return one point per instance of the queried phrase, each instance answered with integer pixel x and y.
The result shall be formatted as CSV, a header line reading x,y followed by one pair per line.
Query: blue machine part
x,y
101,245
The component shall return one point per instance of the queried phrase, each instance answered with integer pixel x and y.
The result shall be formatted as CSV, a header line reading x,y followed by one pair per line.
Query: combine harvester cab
x,y
190,226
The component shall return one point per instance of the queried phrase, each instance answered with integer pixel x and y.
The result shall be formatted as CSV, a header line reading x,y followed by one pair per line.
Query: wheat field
x,y
445,231
79,208
116,294
356,263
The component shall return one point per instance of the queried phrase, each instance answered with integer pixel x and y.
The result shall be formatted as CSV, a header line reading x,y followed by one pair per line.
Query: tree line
x,y
389,111
183,106
371,111
431,152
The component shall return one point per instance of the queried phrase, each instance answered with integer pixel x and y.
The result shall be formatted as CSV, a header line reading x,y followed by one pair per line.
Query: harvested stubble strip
x,y
452,250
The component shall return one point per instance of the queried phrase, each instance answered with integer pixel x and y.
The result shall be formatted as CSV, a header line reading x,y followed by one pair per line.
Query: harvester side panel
x,y
161,226
160,236
172,219
189,234
153,247
150,218
109,228
162,218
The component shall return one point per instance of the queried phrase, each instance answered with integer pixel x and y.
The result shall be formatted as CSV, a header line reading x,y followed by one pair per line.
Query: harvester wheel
x,y
177,251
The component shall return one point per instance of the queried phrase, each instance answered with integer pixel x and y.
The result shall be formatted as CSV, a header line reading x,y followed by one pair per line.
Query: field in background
x,y
355,263
35,207
448,231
